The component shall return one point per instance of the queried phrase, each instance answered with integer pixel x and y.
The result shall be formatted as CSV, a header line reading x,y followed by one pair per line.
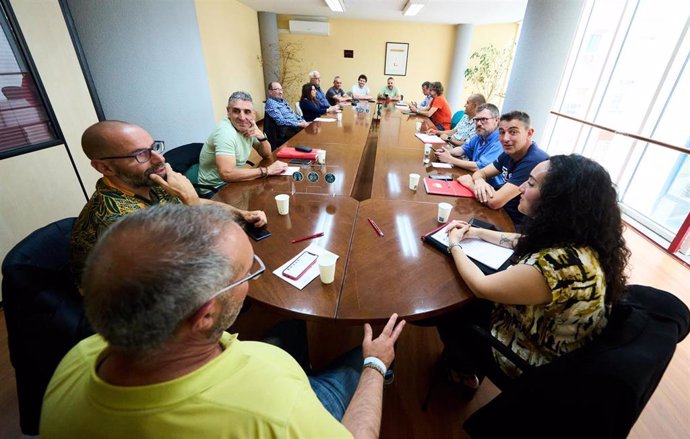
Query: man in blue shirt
x,y
289,123
482,149
520,155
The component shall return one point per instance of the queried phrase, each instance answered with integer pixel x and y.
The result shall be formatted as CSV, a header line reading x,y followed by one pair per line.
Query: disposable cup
x,y
283,202
418,125
427,149
327,267
444,212
321,156
414,181
339,116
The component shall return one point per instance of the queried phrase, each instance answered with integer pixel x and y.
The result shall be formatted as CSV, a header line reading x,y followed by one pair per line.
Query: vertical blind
x,y
25,124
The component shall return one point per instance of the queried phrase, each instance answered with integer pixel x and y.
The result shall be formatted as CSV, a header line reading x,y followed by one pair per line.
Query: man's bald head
x,y
110,138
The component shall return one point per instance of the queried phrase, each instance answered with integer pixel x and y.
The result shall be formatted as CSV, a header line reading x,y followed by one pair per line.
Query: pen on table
x,y
315,235
375,226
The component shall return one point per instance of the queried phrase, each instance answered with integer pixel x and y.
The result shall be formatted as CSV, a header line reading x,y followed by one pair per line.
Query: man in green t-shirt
x,y
390,91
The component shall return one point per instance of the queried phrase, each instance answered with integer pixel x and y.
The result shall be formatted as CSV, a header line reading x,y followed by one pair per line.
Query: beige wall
x,y
501,36
428,58
230,42
42,187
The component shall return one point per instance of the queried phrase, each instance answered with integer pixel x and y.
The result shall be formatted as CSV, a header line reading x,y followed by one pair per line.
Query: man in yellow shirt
x,y
162,366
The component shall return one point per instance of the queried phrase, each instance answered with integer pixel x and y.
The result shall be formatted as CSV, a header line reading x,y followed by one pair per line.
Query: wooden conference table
x,y
375,276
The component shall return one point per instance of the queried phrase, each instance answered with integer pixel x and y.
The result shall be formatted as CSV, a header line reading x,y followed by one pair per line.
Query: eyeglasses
x,y
276,89
482,119
141,155
247,278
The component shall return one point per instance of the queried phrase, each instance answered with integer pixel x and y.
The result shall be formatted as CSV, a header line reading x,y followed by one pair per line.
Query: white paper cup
x,y
283,202
414,181
321,156
327,268
339,116
443,212
418,125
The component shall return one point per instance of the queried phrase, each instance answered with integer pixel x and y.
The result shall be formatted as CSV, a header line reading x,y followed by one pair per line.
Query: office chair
x,y
597,391
185,160
456,118
43,312
273,132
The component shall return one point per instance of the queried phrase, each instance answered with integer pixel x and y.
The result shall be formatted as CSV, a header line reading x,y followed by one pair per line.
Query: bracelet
x,y
261,172
375,363
265,173
455,244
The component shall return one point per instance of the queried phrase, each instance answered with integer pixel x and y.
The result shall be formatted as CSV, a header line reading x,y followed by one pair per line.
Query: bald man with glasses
x,y
162,365
135,177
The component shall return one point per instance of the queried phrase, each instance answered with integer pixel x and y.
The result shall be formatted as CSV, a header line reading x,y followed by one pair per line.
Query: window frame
x,y
8,12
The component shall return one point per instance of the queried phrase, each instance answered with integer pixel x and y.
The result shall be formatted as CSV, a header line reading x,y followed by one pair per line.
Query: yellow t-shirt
x,y
251,390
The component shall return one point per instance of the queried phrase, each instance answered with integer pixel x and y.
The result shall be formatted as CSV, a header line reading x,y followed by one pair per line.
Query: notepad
x,y
488,257
310,274
444,187
427,138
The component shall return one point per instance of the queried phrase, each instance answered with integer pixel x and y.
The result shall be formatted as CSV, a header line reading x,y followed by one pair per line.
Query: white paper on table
x,y
290,170
441,165
428,138
489,254
310,274
324,119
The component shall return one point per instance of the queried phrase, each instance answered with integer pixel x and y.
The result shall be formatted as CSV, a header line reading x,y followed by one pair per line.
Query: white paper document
x,y
489,254
427,138
441,165
290,170
324,119
310,274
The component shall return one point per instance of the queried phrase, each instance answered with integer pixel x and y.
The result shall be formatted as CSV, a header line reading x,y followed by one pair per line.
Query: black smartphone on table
x,y
302,148
441,177
474,222
257,233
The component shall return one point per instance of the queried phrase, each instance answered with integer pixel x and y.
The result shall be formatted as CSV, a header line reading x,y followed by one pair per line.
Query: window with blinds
x,y
26,122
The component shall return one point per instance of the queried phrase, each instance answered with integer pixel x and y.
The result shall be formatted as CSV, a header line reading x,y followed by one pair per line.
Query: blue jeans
x,y
335,386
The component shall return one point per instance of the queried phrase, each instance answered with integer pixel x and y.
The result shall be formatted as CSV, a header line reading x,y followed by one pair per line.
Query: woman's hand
x,y
458,230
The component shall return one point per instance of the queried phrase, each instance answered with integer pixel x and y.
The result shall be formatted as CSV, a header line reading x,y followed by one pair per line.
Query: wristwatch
x,y
263,139
455,244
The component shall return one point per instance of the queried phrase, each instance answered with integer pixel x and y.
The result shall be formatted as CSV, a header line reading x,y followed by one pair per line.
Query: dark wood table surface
x,y
375,276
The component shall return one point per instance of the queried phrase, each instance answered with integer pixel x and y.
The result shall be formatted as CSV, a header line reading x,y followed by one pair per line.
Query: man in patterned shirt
x,y
289,123
135,176
465,128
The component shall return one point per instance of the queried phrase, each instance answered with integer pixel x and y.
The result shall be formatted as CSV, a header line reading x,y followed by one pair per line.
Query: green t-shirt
x,y
224,140
251,390
391,93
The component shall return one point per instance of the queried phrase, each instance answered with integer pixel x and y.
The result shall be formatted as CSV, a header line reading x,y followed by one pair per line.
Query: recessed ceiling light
x,y
336,5
413,7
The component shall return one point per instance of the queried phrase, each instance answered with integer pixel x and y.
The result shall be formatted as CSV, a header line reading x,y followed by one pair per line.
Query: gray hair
x,y
313,73
239,96
153,269
491,107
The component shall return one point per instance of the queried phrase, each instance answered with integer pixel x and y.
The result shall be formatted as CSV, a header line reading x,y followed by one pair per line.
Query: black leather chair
x,y
600,390
43,312
185,160
273,132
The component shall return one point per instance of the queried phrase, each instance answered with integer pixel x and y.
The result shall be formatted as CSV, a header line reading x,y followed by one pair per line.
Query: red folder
x,y
291,153
444,187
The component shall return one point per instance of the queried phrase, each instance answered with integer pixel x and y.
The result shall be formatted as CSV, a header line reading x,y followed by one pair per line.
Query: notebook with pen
x,y
489,257
444,187
291,153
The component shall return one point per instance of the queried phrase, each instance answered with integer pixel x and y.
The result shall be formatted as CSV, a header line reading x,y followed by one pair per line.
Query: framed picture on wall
x,y
396,59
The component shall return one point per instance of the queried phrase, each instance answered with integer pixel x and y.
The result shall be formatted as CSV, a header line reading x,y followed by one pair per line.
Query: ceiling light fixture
x,y
413,7
336,5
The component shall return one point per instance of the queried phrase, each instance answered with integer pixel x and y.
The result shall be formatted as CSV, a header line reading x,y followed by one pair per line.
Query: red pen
x,y
315,235
376,227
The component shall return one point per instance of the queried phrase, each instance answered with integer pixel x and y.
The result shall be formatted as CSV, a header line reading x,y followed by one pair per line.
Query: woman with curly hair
x,y
571,259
